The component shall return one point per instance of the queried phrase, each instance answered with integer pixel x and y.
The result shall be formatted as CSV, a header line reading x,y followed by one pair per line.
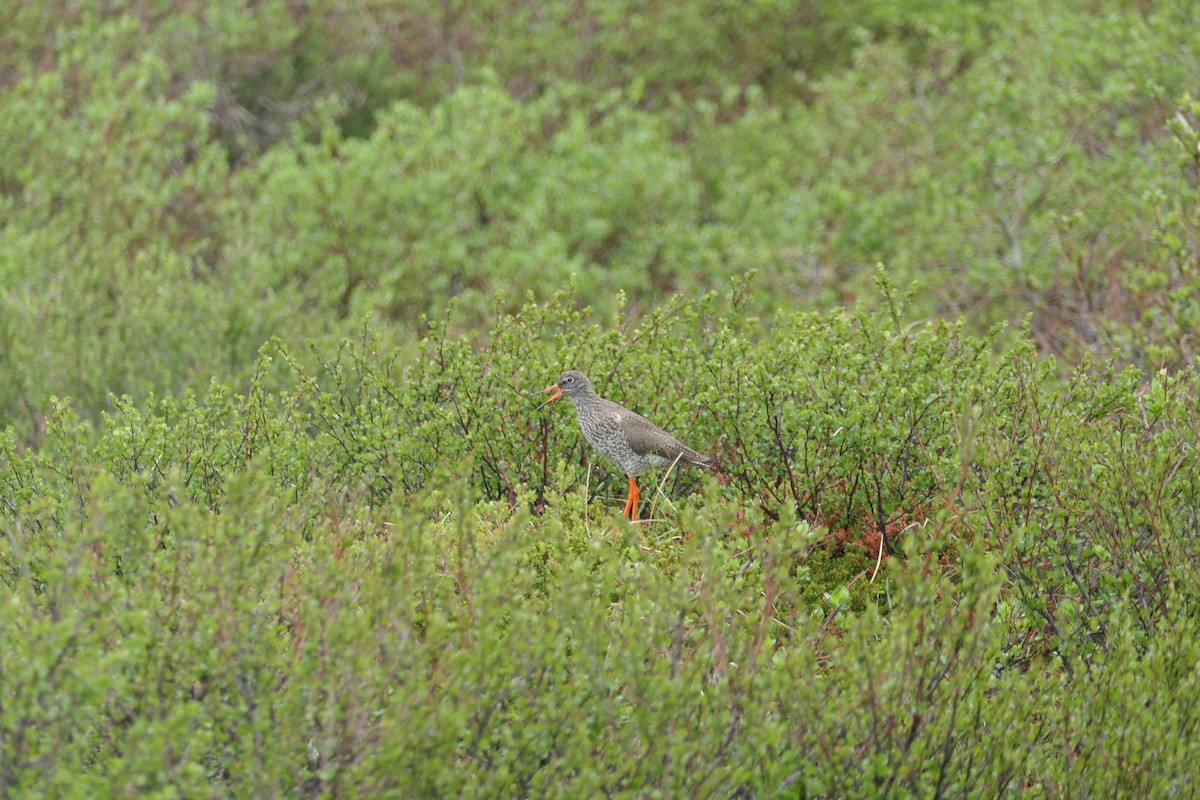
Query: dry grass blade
x,y
662,482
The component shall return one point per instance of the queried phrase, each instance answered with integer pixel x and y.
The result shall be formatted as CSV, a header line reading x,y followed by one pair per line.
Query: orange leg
x,y
631,504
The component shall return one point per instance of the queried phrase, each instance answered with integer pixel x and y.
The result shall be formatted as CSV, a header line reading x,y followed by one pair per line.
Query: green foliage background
x,y
280,284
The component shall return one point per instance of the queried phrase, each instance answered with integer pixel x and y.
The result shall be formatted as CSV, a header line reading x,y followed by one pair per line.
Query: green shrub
x,y
177,188
298,526
342,588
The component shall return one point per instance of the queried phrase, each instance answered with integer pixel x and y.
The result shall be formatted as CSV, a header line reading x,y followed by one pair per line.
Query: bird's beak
x,y
554,387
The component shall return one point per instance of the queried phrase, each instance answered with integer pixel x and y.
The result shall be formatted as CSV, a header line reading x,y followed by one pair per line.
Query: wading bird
x,y
627,439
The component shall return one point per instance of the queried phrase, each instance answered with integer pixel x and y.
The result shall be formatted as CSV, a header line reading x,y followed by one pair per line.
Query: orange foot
x,y
631,504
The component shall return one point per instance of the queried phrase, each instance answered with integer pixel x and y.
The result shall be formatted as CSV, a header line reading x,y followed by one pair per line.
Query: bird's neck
x,y
583,399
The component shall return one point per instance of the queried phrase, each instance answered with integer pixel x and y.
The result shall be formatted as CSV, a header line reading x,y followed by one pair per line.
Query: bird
x,y
632,442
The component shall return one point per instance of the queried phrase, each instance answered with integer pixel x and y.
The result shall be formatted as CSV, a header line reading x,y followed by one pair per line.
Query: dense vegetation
x,y
280,284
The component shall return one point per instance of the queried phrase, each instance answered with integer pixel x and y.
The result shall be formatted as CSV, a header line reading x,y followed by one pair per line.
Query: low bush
x,y
180,185
401,577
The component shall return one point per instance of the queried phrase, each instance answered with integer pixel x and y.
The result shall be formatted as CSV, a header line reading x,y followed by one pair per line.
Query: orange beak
x,y
554,387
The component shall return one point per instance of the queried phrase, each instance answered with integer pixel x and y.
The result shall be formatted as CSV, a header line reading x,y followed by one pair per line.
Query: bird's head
x,y
572,383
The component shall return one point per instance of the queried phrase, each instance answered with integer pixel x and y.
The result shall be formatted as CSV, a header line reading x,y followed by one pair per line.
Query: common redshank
x,y
629,440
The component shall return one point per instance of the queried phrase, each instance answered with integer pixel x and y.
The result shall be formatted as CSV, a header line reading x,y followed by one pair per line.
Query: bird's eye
x,y
569,380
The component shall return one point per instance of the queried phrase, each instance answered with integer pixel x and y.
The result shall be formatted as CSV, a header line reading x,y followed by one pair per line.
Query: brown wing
x,y
646,438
